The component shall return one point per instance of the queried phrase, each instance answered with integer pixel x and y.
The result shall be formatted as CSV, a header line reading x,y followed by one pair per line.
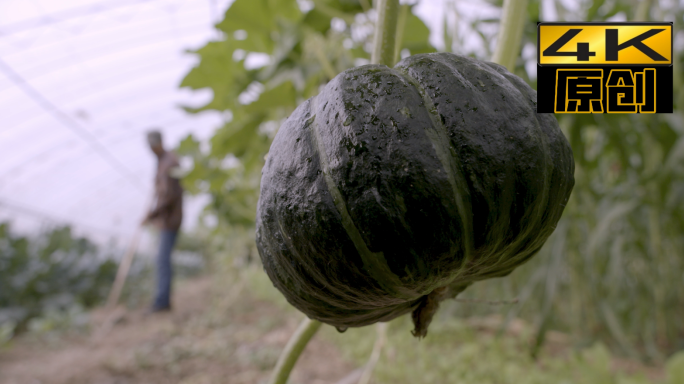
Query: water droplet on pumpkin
x,y
341,329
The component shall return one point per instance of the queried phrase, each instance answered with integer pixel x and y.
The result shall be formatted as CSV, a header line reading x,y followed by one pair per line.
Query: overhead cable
x,y
67,14
70,123
52,218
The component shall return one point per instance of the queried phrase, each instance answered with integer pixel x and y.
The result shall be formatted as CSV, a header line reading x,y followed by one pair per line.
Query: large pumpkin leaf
x,y
416,36
218,70
257,18
282,96
236,136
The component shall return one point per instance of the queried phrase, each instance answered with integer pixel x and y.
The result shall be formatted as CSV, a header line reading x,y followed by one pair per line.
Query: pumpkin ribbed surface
x,y
394,184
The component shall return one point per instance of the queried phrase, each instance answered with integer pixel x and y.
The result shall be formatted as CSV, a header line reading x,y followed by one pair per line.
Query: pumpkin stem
x,y
385,32
401,26
295,346
513,17
422,316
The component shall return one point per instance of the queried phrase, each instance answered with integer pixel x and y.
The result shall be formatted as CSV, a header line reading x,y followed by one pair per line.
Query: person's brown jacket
x,y
168,207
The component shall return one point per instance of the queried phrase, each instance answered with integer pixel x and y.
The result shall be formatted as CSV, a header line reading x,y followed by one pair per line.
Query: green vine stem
x,y
401,25
318,43
383,53
385,32
642,11
513,19
293,349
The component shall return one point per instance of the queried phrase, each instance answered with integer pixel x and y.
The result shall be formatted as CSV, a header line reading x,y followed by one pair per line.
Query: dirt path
x,y
205,340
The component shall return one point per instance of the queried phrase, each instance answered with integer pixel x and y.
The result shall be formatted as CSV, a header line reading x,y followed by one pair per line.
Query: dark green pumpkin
x,y
396,188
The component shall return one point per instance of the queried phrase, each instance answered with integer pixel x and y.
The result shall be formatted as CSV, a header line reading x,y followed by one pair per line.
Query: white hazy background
x,y
81,81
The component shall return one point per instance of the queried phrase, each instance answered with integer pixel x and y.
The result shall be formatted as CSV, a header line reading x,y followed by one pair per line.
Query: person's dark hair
x,y
154,138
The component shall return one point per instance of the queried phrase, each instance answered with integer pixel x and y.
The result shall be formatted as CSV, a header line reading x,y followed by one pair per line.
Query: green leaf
x,y
317,20
258,16
188,146
416,36
283,95
218,71
675,368
344,10
598,360
236,137
325,10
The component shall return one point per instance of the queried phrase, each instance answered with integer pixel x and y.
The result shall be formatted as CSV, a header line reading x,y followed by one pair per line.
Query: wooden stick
x,y
122,272
125,265
110,315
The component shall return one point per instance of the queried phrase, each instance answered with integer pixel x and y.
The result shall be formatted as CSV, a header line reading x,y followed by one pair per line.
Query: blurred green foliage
x,y
50,272
613,269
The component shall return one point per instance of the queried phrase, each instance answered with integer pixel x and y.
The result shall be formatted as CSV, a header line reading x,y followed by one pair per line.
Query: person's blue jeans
x,y
167,239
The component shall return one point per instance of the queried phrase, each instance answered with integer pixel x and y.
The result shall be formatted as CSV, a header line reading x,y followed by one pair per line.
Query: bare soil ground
x,y
199,342
217,333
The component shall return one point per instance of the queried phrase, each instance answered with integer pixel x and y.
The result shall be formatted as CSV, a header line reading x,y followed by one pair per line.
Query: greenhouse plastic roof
x,y
80,83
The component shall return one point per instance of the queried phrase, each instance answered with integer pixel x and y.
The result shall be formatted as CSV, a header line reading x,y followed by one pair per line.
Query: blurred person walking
x,y
167,215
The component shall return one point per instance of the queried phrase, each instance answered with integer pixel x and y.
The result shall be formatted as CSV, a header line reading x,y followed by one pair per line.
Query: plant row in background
x,y
49,280
48,273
